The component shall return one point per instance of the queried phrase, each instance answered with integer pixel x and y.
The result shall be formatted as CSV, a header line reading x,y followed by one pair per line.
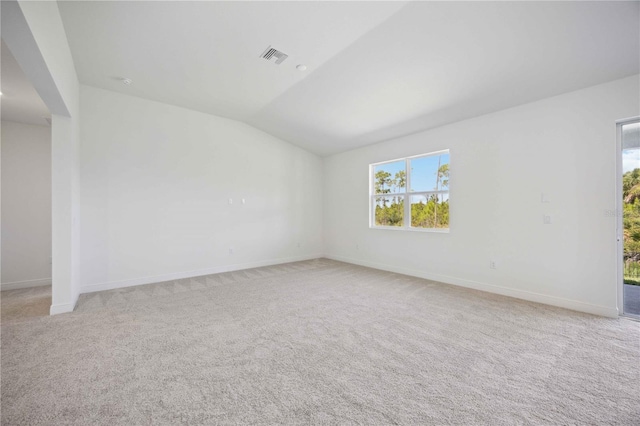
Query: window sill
x,y
402,228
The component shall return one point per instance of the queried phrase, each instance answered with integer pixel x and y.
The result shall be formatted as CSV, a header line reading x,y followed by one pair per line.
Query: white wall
x,y
563,146
37,39
26,205
155,185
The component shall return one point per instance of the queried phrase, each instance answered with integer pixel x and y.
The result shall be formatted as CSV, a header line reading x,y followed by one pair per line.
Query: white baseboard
x,y
25,284
110,285
573,305
62,308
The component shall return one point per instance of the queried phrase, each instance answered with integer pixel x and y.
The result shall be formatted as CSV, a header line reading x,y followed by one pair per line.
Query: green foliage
x,y
383,182
390,215
432,214
632,273
443,175
631,226
400,179
629,180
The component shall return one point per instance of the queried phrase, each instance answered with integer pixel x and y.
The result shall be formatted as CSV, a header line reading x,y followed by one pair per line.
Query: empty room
x,y
320,212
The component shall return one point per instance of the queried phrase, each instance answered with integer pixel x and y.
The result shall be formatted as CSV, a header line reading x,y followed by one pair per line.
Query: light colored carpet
x,y
21,304
317,342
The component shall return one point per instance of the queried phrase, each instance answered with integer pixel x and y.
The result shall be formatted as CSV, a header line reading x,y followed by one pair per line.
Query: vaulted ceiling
x,y
375,70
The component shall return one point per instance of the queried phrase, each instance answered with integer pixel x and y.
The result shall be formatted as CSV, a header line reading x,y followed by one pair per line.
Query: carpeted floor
x,y
19,305
316,342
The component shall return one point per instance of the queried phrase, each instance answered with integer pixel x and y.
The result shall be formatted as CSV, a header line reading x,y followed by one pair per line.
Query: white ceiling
x,y
376,70
20,101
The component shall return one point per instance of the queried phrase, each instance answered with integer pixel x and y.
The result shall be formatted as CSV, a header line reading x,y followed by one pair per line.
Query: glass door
x,y
629,133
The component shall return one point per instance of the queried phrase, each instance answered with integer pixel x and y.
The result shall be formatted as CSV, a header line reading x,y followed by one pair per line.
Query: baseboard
x,y
25,284
110,285
62,308
573,305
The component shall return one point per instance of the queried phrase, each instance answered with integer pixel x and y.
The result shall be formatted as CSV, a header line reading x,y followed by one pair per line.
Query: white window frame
x,y
406,195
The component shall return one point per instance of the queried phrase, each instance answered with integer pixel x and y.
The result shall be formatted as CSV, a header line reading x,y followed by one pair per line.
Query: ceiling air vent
x,y
271,54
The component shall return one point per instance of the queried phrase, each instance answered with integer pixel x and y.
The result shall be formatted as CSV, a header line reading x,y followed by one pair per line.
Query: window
x,y
411,193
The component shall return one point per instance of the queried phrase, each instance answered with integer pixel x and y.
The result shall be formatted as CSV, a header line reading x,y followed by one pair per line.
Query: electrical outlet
x,y
298,245
492,264
546,219
230,251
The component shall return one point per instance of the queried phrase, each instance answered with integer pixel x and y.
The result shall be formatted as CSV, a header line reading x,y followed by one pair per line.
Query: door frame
x,y
619,213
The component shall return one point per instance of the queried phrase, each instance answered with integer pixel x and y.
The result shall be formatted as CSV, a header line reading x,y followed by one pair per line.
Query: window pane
x,y
389,178
631,202
425,175
430,211
389,211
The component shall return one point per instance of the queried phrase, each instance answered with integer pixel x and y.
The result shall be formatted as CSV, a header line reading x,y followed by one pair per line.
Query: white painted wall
x,y
37,39
156,180
26,205
563,146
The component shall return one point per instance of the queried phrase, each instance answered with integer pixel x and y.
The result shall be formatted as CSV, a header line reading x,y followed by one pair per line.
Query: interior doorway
x,y
25,195
629,219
